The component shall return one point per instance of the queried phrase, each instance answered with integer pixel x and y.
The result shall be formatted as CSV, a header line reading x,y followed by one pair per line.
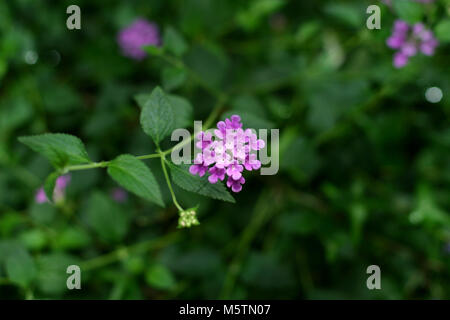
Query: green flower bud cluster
x,y
188,218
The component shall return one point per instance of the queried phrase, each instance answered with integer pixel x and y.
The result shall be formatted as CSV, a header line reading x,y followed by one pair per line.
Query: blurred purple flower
x,y
229,153
58,193
140,33
119,195
40,196
409,40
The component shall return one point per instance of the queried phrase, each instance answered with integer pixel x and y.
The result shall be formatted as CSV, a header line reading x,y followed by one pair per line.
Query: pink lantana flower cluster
x,y
58,193
227,153
409,40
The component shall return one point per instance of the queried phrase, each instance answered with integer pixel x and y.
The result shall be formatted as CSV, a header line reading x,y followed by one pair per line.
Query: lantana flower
x,y
229,154
409,40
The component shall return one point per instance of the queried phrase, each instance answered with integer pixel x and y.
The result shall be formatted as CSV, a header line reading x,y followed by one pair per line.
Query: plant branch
x,y
169,184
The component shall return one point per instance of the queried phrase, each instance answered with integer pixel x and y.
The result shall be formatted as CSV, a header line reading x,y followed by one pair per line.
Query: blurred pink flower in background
x,y
119,195
58,193
409,40
140,33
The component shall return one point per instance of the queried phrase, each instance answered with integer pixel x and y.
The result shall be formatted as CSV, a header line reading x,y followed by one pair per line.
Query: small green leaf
x,y
133,175
52,270
20,268
181,107
71,238
408,10
159,277
184,111
61,149
49,185
443,31
189,182
174,42
157,116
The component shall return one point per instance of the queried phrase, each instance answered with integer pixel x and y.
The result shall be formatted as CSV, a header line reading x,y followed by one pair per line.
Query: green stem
x,y
169,184
93,165
149,156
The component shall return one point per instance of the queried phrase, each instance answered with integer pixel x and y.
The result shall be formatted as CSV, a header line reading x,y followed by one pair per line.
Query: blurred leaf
x,y
34,239
71,238
349,14
107,219
20,268
251,18
410,11
8,222
60,98
173,78
14,112
159,277
187,181
43,213
61,149
443,30
427,210
209,63
133,175
52,274
157,115
174,42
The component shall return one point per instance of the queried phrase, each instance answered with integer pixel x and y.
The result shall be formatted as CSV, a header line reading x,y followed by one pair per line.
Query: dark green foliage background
x,y
365,160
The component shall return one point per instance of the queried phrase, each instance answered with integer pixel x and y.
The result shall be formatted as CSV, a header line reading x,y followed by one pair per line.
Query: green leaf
x,y
251,18
408,10
20,268
189,182
174,42
72,238
34,239
52,274
182,108
49,185
443,30
159,277
157,116
133,175
349,14
61,149
105,218
184,111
